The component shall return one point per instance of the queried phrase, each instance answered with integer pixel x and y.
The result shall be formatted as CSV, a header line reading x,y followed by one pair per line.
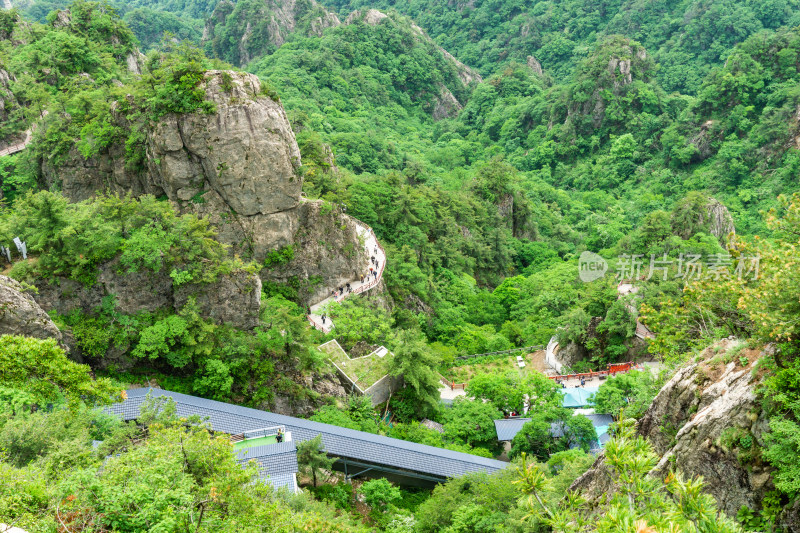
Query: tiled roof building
x,y
356,451
277,463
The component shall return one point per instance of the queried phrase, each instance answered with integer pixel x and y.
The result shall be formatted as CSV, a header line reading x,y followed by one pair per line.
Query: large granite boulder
x,y
245,153
21,315
238,166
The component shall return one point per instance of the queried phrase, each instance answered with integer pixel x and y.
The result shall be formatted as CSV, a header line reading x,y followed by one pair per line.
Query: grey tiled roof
x,y
339,442
272,459
600,420
508,427
282,481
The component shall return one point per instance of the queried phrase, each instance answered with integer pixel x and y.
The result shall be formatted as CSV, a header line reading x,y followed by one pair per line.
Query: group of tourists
x,y
346,289
373,270
339,292
564,385
366,278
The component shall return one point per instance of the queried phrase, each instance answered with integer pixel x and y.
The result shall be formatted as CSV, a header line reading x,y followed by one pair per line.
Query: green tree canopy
x,y
38,372
632,392
312,458
472,422
553,430
416,363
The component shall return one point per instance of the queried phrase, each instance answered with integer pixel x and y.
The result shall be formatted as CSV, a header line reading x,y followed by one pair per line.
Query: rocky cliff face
x,y
242,159
317,391
240,32
706,421
239,168
719,219
21,315
467,75
446,105
8,104
328,252
233,299
696,415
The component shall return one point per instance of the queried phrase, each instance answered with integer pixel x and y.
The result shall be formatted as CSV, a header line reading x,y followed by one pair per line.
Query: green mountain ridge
x,y
691,33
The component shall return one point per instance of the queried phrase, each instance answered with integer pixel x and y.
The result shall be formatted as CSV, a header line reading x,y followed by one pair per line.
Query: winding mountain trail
x,y
624,289
14,148
374,249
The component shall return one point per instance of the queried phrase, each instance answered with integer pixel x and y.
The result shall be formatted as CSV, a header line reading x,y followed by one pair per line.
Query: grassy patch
x,y
491,364
363,371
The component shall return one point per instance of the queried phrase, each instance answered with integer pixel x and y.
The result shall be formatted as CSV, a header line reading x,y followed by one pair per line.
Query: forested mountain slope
x,y
372,87
241,31
687,38
147,19
181,215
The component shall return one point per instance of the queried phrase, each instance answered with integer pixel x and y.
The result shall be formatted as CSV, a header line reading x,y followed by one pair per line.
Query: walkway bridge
x,y
20,146
357,286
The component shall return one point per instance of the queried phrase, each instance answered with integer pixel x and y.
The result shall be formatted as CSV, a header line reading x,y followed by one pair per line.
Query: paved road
x,y
373,248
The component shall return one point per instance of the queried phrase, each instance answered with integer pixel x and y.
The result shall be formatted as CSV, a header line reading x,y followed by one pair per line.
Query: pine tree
x,y
312,458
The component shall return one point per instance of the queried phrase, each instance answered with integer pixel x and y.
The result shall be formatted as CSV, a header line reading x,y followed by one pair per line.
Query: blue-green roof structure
x,y
578,397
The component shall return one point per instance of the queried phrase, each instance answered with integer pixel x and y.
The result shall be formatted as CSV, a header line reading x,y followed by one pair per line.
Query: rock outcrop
x,y
467,75
21,315
8,104
535,66
328,252
692,420
318,24
322,387
241,32
239,168
446,105
232,299
698,422
244,156
135,62
572,353
371,17
720,221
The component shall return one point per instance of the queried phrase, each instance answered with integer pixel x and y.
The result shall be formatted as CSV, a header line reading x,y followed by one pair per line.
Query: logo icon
x,y
591,267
